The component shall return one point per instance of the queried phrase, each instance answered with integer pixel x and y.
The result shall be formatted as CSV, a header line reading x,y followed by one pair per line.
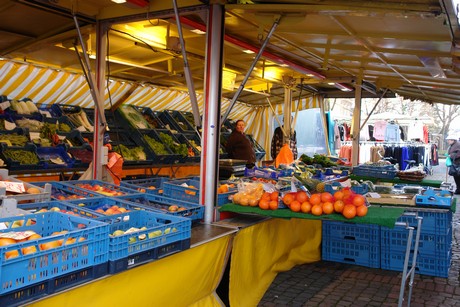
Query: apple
x,y
117,233
155,233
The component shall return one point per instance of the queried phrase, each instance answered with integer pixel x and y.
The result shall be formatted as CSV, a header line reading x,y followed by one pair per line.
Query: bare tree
x,y
444,115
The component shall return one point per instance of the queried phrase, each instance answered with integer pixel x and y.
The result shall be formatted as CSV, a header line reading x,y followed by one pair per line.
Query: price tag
x,y
81,129
9,125
374,195
34,135
10,186
17,235
46,113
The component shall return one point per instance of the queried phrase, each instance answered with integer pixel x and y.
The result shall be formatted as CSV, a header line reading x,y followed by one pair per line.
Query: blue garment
x,y
404,156
392,133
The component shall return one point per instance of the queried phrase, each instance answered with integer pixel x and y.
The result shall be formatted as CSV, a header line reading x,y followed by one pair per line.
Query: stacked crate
x,y
434,252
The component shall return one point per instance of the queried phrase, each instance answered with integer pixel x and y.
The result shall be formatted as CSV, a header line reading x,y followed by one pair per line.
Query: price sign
x,y
10,186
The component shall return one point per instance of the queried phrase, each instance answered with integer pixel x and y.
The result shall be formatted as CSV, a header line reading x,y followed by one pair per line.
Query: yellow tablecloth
x,y
187,278
262,250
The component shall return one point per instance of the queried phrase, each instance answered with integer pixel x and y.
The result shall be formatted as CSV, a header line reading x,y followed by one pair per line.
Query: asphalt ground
x,y
326,283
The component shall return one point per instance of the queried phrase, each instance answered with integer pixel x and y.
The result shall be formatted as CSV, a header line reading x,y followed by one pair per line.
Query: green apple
x,y
155,233
117,233
167,230
132,240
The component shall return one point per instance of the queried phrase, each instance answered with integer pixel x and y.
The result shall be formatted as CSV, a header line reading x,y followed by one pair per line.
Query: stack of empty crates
x,y
382,247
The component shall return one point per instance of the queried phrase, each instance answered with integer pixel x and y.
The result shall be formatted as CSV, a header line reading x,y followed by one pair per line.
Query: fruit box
x,y
40,194
436,198
21,157
152,185
183,189
392,199
47,258
62,191
158,235
55,157
105,205
164,205
58,206
101,188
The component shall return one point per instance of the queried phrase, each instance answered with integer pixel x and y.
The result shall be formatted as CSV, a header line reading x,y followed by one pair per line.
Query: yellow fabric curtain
x,y
187,278
261,251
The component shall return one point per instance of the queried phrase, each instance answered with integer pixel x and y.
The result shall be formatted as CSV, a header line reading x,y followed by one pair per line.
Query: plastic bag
x,y
285,156
448,161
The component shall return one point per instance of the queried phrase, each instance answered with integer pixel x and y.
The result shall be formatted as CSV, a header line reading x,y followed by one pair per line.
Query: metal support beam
x,y
210,141
248,74
188,74
288,83
100,123
355,123
373,109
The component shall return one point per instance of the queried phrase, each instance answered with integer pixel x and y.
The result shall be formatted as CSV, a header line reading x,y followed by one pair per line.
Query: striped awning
x,y
47,86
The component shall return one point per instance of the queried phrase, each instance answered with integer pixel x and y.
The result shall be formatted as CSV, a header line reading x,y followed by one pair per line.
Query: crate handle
x,y
349,238
349,260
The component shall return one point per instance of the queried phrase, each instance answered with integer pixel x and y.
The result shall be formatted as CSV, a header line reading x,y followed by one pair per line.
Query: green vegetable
x,y
22,156
131,154
157,147
180,149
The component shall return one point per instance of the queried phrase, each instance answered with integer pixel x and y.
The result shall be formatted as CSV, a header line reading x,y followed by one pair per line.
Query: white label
x,y
9,125
10,186
374,195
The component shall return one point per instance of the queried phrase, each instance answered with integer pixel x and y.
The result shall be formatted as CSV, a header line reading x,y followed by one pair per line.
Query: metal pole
x,y
248,74
210,141
188,74
356,122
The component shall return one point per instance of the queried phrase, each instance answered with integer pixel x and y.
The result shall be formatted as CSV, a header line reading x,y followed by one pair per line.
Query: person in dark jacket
x,y
454,153
239,146
277,143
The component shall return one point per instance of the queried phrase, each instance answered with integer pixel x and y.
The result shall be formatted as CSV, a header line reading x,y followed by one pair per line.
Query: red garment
x,y
425,134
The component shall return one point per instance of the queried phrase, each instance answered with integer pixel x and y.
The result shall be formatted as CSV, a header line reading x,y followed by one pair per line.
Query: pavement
x,y
326,283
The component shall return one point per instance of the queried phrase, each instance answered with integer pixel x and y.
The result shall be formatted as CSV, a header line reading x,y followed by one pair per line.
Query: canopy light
x,y
197,31
139,3
119,1
248,51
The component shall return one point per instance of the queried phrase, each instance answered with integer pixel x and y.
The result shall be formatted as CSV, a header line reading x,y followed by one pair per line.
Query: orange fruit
x,y
301,196
266,196
315,199
244,200
274,195
29,250
359,200
273,204
326,197
361,210
338,195
316,210
305,207
264,204
349,211
338,206
253,202
6,241
49,245
328,207
288,198
295,206
11,254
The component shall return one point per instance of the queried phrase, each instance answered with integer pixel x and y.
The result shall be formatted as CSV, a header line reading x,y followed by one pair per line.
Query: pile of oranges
x,y
343,201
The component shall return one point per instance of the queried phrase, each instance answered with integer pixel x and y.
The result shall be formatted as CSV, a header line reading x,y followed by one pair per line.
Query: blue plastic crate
x,y
102,204
434,221
162,234
47,154
163,204
426,265
437,198
31,293
183,189
23,133
89,249
193,154
8,154
62,191
83,154
336,186
152,185
359,233
98,187
395,241
64,207
348,251
384,172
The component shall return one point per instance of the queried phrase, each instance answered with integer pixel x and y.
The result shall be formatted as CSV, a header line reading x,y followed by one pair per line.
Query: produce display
x,y
14,139
177,148
104,190
25,106
317,159
80,119
157,147
134,117
134,154
24,157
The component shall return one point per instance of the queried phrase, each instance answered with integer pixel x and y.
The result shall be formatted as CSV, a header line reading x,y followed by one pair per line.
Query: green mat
x,y
376,215
396,180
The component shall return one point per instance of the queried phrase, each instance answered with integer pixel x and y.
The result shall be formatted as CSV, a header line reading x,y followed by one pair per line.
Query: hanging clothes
x,y
364,133
425,134
434,155
379,130
337,140
415,131
392,133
